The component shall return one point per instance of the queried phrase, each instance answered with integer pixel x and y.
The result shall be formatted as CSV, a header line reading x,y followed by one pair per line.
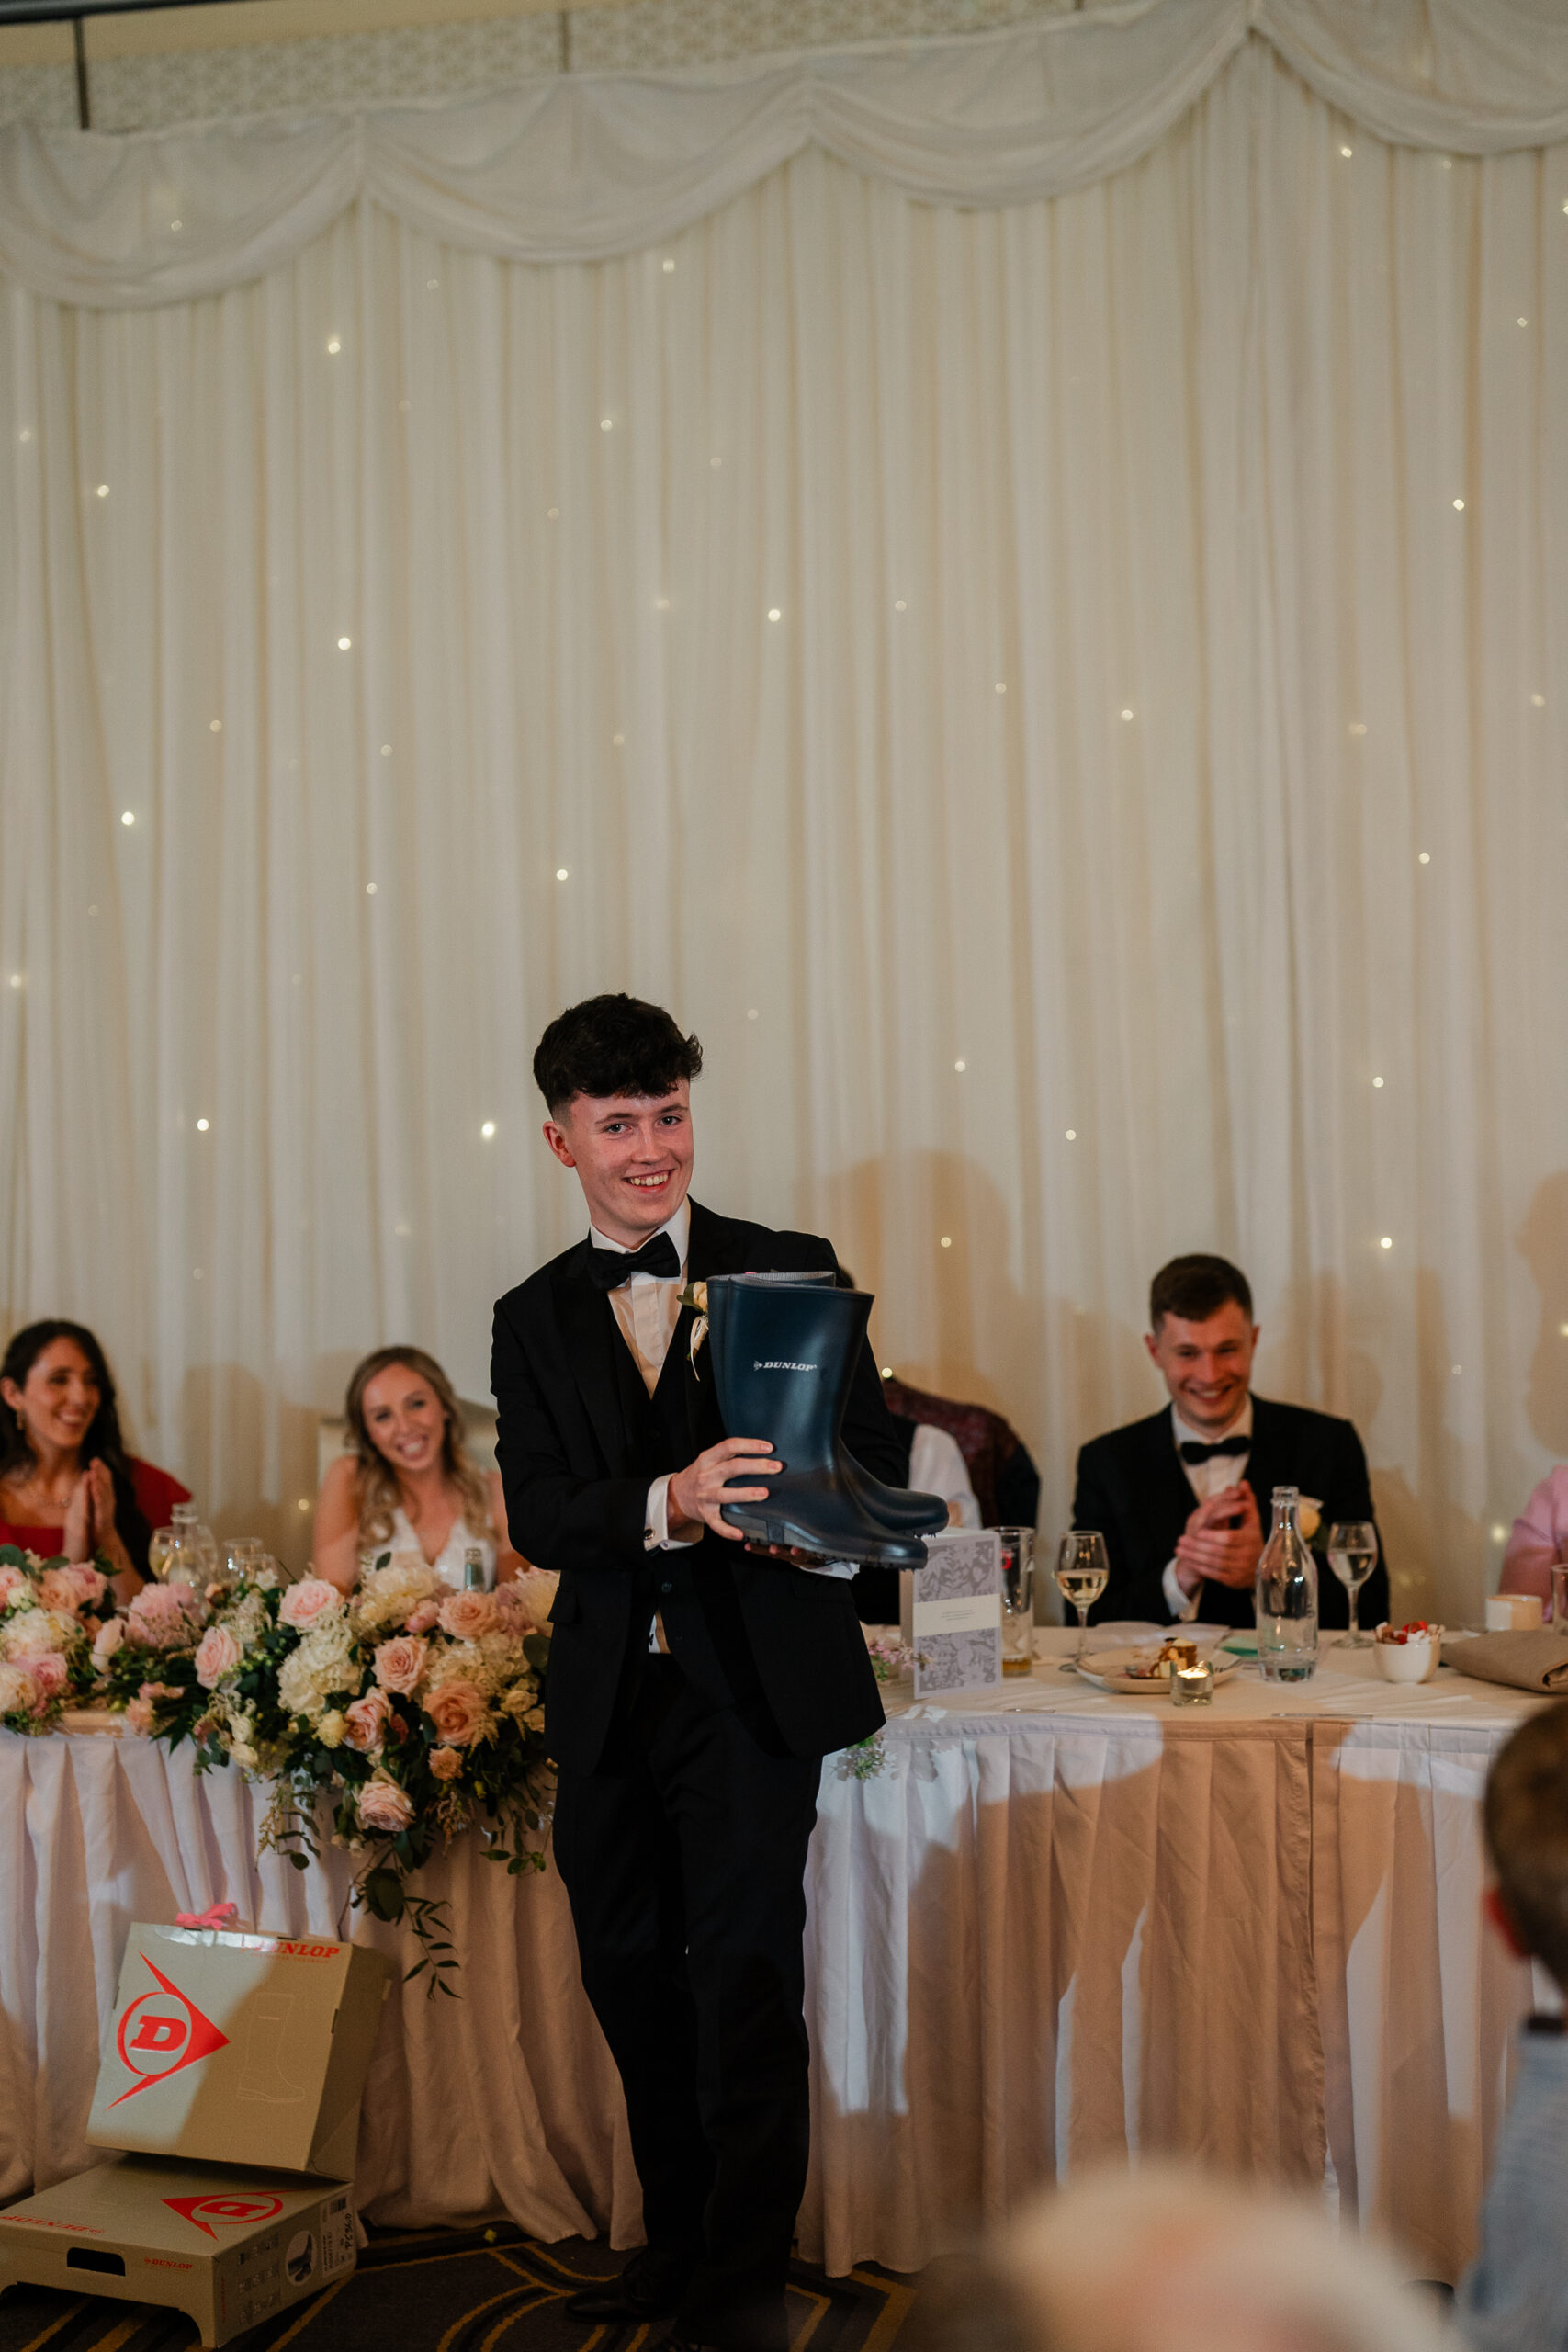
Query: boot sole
x,y
788,1535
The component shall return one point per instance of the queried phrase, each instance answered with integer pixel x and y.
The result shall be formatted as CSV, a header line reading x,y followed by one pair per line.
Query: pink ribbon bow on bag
x,y
219,1915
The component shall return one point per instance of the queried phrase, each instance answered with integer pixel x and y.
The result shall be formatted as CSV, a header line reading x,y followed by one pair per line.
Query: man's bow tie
x,y
1190,1449
608,1268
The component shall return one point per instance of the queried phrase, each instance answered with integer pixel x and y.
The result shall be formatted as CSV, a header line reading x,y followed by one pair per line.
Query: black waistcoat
x,y
691,1589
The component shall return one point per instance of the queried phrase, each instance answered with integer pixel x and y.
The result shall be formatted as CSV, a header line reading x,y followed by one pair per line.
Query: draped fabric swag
x,y
1060,685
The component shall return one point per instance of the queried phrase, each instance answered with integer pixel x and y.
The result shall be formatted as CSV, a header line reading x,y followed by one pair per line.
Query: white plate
x,y
1107,1669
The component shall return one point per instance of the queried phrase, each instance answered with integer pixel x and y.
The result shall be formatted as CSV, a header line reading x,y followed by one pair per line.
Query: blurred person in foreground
x,y
1184,1500
1514,2298
67,1484
406,1482
1167,2259
1539,1541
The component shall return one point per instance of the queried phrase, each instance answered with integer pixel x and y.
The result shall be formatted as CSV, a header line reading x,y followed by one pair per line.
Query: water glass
x,y
1083,1571
1018,1599
159,1545
1560,1597
1352,1556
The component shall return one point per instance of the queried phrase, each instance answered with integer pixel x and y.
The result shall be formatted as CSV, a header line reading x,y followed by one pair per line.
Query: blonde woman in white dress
x,y
405,1483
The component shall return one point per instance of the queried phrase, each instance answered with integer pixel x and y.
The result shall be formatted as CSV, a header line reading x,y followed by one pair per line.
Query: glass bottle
x,y
1285,1597
473,1570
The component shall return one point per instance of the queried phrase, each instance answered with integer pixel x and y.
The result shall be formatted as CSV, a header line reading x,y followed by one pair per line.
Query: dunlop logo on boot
x,y
758,1365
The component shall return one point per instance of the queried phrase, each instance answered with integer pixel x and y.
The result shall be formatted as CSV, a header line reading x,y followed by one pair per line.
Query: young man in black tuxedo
x,y
692,1689
1184,1500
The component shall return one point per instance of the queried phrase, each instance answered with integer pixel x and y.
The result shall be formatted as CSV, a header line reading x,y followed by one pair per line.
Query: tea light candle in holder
x,y
1192,1686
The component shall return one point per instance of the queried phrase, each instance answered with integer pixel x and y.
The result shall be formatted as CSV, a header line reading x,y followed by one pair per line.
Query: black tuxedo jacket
x,y
576,1471
1131,1486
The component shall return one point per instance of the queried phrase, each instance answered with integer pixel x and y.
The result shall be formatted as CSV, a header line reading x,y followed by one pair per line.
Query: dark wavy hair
x,y
612,1045
102,1442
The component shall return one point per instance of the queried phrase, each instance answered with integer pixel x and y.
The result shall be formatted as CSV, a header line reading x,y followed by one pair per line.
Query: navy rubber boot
x,y
783,1354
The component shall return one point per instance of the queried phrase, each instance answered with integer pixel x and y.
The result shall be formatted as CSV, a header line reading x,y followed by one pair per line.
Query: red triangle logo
x,y
160,2033
239,2212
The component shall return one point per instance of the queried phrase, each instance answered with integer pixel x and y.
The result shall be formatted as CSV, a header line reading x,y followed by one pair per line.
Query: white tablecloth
x,y
1055,1927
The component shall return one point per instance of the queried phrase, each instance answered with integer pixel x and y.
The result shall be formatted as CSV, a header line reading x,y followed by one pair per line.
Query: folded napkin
x,y
1527,1661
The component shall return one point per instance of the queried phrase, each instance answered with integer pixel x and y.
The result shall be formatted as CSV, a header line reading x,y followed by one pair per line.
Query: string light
x,y
333,345
886,1371
775,613
668,267
487,1129
202,1126
1521,322
176,226
386,750
662,603
1425,858
1346,151
1126,714
1499,1535
304,1503
1538,702
947,1241
102,490
343,643
1377,1081
1357,727
1072,1134
618,740
1001,686
960,1065
17,977
607,425
899,605
554,514
1386,1242
751,1012
561,873
715,463
215,726
1459,507
370,889
128,817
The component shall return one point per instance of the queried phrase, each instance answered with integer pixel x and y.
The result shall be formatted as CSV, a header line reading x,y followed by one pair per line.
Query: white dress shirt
x,y
648,1308
1205,1479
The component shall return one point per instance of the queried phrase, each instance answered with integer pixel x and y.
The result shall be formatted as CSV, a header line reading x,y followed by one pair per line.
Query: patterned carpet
x,y
485,2289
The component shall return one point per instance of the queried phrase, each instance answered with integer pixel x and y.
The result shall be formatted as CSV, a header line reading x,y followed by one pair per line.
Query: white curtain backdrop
x,y
1064,697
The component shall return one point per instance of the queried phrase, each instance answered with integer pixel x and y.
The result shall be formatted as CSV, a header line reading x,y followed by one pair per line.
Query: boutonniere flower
x,y
1309,1517
695,1297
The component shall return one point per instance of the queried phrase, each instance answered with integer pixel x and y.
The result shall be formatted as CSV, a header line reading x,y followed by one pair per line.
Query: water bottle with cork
x,y
1285,1596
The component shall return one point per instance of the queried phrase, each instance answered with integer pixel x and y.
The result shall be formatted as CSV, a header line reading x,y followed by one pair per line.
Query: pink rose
x,y
108,1639
139,1716
467,1615
446,1762
160,1617
365,1722
49,1674
458,1713
384,1806
71,1588
216,1653
12,1581
304,1604
400,1662
421,1619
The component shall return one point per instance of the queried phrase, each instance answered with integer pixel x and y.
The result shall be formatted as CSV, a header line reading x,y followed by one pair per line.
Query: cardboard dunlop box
x,y
951,1612
242,2048
228,2247
233,2067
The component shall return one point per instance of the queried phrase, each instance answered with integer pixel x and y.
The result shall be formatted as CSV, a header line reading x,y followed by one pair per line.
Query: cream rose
x,y
331,1729
384,1806
458,1713
18,1692
446,1762
365,1724
398,1664
216,1653
36,1632
536,1596
468,1615
108,1639
306,1603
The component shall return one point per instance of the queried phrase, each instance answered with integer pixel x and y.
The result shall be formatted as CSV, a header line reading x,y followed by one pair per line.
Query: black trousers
x,y
684,1861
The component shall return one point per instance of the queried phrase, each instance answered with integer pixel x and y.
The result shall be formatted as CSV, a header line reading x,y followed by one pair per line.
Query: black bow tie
x,y
608,1268
1192,1451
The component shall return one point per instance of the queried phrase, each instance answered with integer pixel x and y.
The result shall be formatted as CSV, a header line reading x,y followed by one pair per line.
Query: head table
x,y
1055,1927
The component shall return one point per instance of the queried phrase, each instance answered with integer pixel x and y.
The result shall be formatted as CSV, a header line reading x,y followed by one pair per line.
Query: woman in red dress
x,y
66,1483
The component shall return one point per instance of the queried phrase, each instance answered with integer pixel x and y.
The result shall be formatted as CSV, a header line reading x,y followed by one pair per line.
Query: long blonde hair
x,y
375,1479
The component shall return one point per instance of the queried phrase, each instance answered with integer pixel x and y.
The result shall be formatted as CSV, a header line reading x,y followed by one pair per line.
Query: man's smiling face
x,y
633,1158
1207,1366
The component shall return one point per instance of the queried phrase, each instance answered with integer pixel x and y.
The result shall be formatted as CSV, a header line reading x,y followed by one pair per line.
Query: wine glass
x,y
1352,1556
1082,1574
159,1545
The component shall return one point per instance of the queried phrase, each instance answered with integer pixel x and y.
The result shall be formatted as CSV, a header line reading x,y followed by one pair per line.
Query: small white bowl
x,y
1414,1659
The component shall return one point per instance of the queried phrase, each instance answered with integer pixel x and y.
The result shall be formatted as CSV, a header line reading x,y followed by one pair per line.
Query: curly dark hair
x,y
102,1442
612,1045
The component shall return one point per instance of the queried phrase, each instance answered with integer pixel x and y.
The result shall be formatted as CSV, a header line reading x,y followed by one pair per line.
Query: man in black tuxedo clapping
x,y
1184,1498
692,1689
